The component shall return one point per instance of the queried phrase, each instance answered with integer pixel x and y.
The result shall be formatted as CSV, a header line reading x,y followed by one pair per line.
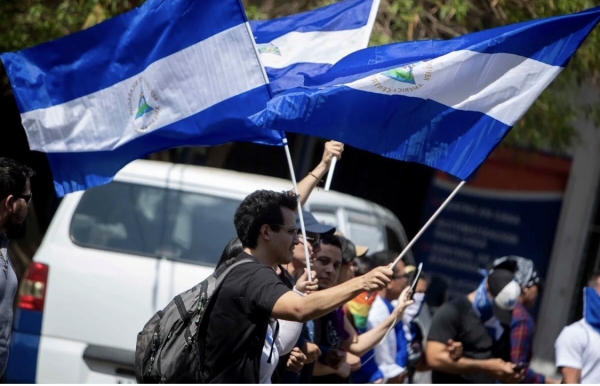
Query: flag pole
x,y
414,240
330,174
289,160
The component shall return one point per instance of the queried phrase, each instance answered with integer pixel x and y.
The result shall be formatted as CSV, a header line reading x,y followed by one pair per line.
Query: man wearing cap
x,y
522,327
481,322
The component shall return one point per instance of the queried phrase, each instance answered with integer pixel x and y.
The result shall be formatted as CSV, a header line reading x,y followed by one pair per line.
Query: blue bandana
x,y
591,307
483,307
482,304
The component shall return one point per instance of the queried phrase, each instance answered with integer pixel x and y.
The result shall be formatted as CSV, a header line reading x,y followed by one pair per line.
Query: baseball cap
x,y
525,273
312,225
505,292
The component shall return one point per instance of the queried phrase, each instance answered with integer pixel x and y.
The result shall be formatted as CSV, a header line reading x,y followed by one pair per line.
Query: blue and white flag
x,y
169,73
445,104
311,42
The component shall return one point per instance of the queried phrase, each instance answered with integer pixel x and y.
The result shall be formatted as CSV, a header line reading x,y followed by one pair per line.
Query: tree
x,y
547,125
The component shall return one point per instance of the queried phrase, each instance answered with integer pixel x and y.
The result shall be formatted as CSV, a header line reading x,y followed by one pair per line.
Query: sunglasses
x,y
313,241
26,197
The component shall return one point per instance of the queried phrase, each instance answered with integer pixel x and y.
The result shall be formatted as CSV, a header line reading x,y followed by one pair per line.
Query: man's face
x,y
327,263
399,281
17,207
285,240
530,296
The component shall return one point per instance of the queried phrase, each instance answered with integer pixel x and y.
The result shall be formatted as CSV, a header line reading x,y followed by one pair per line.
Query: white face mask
x,y
413,310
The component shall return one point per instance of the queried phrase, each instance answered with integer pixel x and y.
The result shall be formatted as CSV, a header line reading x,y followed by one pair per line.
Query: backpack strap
x,y
213,283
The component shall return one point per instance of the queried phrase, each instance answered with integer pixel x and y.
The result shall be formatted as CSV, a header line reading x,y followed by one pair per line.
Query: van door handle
x,y
109,354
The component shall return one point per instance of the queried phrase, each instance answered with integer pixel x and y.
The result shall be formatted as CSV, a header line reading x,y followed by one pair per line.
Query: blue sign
x,y
480,225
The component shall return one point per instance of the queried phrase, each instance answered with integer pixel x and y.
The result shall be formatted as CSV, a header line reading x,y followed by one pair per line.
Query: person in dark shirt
x,y
231,342
481,322
522,327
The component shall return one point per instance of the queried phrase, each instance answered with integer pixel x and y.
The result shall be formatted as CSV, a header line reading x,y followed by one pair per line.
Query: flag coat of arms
x,y
166,74
443,103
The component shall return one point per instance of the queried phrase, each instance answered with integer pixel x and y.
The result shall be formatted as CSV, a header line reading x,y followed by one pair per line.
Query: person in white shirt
x,y
578,345
285,334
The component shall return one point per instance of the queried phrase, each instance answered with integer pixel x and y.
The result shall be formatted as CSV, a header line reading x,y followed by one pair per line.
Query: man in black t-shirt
x,y
481,322
252,293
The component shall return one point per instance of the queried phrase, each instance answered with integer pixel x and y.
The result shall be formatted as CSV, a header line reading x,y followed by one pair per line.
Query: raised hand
x,y
403,302
332,149
305,286
375,280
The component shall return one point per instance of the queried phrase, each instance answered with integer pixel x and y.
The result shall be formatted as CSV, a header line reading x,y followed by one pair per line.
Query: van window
x,y
365,230
146,220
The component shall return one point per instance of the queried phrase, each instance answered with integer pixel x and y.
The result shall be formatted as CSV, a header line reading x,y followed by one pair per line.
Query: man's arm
x,y
570,375
296,308
360,344
308,183
438,358
569,347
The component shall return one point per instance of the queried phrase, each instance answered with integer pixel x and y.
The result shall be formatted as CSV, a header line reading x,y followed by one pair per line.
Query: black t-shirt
x,y
458,321
237,323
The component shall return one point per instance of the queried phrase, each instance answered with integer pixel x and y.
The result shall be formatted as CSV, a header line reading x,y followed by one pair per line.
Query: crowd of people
x,y
349,317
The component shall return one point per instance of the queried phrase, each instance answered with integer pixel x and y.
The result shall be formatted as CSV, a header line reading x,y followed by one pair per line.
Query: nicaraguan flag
x,y
445,104
169,73
311,42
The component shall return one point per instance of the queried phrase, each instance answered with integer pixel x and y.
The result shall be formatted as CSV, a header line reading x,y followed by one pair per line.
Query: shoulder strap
x,y
216,279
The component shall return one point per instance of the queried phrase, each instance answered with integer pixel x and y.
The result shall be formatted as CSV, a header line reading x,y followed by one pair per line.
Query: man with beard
x,y
15,195
252,294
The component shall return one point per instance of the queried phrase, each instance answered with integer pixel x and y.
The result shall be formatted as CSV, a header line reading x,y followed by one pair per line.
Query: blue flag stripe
x,y
556,40
324,19
113,50
426,131
77,171
291,76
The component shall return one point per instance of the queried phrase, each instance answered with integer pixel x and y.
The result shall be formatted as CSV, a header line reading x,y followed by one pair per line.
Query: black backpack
x,y
167,349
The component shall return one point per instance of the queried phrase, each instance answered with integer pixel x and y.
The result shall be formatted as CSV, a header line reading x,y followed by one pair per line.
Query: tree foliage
x,y
547,125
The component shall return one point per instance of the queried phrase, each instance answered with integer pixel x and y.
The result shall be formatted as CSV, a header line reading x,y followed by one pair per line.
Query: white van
x,y
115,254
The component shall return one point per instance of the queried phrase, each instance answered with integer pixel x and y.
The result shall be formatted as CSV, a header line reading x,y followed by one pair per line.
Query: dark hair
x,y
332,240
13,177
363,265
260,208
437,291
593,282
348,250
385,257
232,249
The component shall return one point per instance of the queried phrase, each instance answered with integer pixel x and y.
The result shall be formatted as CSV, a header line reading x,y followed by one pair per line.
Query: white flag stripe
x,y
325,47
175,87
504,89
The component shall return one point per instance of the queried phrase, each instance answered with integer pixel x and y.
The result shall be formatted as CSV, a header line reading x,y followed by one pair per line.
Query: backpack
x,y
166,350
